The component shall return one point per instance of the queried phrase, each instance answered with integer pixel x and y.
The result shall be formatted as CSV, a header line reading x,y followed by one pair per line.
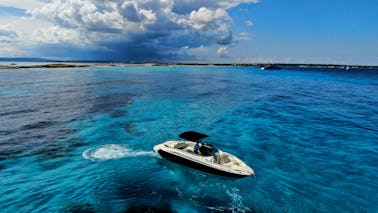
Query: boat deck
x,y
222,158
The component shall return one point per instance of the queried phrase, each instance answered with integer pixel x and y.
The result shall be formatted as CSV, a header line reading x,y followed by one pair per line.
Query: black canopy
x,y
192,136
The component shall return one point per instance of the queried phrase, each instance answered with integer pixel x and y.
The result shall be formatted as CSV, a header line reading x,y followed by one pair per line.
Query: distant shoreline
x,y
41,66
258,65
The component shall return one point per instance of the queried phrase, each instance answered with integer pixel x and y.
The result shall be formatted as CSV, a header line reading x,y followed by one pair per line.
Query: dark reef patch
x,y
58,149
118,113
131,128
9,152
79,208
44,143
107,103
38,125
165,208
143,188
15,112
6,132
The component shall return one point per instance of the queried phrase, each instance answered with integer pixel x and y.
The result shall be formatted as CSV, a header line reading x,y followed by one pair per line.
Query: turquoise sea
x,y
70,142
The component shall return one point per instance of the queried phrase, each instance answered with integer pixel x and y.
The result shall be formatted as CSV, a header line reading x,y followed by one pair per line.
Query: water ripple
x,y
311,136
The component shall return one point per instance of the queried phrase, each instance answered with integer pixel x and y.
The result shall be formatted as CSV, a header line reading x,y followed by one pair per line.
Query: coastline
x,y
42,66
257,65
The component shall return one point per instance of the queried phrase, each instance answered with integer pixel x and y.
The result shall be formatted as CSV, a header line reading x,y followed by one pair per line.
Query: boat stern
x,y
158,147
167,144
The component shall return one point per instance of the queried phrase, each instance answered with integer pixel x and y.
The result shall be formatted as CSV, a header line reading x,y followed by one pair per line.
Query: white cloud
x,y
10,41
128,19
81,15
207,19
130,16
223,50
200,48
243,36
232,3
183,6
161,25
249,23
25,5
56,35
12,51
8,35
5,20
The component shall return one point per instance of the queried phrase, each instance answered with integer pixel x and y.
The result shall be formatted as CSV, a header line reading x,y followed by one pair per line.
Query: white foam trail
x,y
112,151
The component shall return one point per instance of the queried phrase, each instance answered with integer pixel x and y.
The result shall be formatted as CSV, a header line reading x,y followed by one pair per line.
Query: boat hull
x,y
196,165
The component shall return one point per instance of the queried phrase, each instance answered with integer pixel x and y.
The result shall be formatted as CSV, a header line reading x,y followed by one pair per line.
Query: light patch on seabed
x,y
113,151
237,200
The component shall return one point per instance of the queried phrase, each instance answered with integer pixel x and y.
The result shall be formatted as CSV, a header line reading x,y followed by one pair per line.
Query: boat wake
x,y
113,151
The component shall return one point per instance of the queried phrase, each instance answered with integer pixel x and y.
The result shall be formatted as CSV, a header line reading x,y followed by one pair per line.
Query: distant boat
x,y
270,67
207,158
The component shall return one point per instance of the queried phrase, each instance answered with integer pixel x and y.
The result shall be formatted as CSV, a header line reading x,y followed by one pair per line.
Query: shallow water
x,y
69,140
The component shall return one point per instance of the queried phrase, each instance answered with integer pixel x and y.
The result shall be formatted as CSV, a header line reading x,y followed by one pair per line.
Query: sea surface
x,y
70,142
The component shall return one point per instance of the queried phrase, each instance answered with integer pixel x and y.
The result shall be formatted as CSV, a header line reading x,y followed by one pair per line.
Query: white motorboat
x,y
207,158
270,67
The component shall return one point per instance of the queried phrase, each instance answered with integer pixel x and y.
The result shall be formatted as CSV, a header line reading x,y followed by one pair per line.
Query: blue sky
x,y
221,31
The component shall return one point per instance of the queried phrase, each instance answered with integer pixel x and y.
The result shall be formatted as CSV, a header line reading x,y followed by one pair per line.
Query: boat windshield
x,y
208,150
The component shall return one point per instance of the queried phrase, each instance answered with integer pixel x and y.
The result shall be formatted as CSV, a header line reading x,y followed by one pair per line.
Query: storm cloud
x,y
131,29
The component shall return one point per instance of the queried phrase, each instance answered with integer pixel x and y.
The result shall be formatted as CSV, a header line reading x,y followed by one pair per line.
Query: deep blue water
x,y
70,142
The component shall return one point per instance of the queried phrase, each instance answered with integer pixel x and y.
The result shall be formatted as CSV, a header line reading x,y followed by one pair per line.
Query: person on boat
x,y
196,147
217,157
